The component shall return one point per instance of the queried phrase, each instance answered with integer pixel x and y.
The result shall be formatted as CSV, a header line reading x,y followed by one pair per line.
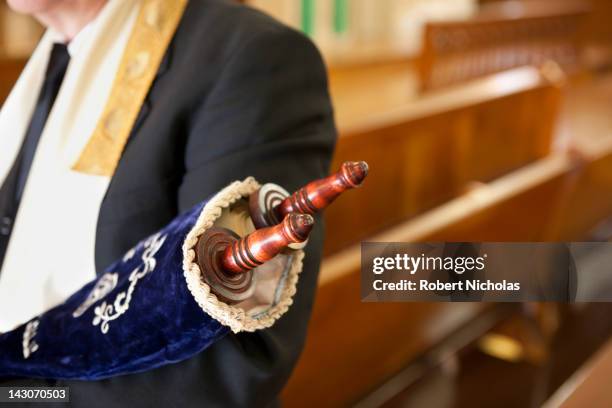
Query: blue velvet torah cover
x,y
139,315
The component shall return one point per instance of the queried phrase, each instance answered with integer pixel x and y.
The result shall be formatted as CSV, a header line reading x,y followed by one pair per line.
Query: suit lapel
x,y
146,105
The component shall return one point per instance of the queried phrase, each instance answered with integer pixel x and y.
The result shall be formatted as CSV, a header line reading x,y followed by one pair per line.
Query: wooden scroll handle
x,y
227,261
264,244
271,203
318,194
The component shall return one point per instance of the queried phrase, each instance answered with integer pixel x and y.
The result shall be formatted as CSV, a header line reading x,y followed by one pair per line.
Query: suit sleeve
x,y
268,116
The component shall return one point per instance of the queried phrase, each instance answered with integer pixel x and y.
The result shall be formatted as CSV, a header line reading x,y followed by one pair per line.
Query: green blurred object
x,y
308,16
340,16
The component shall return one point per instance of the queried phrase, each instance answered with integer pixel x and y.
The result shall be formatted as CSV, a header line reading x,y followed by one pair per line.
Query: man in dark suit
x,y
236,94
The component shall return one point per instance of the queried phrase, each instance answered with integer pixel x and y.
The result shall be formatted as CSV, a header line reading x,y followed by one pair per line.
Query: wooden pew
x,y
427,151
501,36
353,347
590,386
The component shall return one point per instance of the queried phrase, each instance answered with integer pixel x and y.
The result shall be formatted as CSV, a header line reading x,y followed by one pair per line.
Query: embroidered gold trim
x,y
154,28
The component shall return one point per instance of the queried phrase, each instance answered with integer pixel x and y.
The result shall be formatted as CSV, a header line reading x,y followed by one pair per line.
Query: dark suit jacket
x,y
237,95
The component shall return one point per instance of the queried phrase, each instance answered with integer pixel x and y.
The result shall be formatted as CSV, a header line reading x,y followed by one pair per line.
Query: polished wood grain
x,y
264,244
430,150
355,346
319,194
227,261
560,196
502,36
589,386
346,335
386,337
271,203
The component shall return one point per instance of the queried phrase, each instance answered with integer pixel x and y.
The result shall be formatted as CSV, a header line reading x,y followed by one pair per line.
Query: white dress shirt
x,y
51,251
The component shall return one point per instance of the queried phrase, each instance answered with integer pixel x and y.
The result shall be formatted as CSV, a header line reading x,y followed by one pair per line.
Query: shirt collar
x,y
77,42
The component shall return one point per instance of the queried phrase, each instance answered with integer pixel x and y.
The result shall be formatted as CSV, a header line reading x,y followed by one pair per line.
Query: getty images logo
x,y
414,264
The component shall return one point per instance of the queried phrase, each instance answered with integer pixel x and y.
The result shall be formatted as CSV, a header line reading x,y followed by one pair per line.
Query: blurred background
x,y
481,121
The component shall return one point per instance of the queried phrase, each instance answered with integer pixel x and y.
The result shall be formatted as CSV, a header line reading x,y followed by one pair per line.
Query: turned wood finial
x,y
264,244
318,194
227,261
270,204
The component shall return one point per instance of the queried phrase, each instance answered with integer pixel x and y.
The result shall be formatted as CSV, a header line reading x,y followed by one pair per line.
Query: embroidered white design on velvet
x,y
129,254
105,313
28,343
103,287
